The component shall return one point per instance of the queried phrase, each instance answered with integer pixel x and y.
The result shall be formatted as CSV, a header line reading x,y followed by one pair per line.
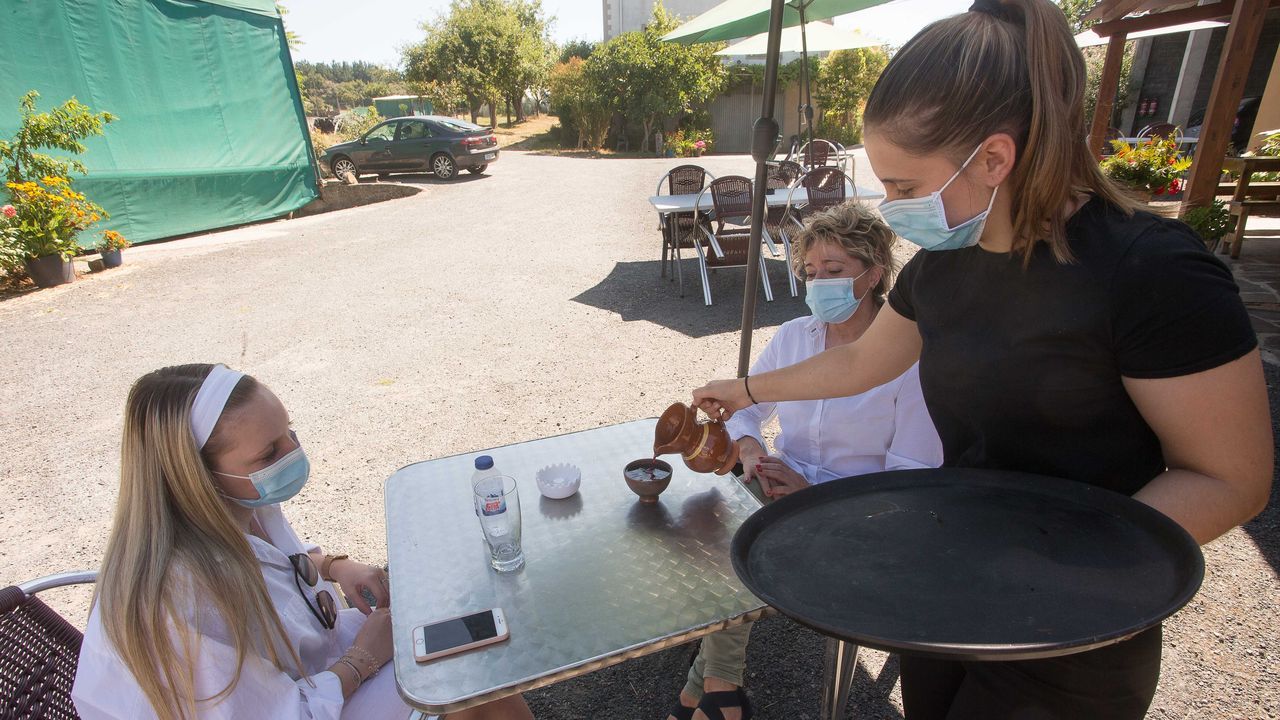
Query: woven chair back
x,y
38,655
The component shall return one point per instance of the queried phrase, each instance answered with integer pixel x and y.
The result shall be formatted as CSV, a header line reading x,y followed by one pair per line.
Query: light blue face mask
x,y
279,481
923,220
831,299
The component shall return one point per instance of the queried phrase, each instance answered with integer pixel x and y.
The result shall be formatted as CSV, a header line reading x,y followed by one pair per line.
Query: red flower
x,y
1159,191
9,211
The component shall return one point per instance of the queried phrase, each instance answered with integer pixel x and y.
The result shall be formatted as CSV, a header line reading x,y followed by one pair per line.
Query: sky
x,y
375,30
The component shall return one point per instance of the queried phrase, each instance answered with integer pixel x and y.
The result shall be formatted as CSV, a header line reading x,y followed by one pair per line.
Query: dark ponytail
x,y
1012,67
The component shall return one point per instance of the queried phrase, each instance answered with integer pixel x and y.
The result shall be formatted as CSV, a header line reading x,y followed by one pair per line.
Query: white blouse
x,y
885,428
104,687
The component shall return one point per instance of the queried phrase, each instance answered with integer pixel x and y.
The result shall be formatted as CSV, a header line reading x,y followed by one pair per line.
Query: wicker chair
x,y
38,652
821,153
727,245
680,230
1163,130
1111,135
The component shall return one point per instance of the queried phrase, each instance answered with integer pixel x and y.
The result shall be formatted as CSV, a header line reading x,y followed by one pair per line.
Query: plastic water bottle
x,y
482,483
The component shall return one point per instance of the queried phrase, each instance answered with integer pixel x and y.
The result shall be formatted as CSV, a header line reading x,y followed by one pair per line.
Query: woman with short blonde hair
x,y
845,257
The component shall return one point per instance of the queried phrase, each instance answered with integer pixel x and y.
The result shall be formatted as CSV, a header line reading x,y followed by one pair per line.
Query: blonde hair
x,y
856,229
172,541
1006,66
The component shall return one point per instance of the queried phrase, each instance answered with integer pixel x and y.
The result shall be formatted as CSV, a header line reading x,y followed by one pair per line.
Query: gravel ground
x,y
474,314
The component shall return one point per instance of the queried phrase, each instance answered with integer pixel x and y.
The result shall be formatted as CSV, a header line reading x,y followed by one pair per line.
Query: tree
x,y
1094,58
62,128
647,79
843,84
578,48
491,49
580,107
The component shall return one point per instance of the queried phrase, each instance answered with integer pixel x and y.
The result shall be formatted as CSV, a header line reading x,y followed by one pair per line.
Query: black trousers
x,y
1115,682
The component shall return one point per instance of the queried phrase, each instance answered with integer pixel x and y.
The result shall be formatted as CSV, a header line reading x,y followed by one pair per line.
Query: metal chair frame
x,y
40,651
1162,130
669,223
816,159
732,212
776,218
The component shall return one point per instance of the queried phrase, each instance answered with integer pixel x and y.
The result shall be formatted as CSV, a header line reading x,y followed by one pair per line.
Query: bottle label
x,y
494,505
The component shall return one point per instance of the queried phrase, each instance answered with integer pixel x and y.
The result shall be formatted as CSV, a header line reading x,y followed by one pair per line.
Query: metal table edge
x,y
587,666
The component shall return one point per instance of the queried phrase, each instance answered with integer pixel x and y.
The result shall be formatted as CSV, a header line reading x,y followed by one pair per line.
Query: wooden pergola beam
x,y
1228,87
1107,86
1153,21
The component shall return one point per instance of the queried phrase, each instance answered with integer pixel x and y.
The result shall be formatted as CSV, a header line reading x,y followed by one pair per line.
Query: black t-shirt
x,y
1021,367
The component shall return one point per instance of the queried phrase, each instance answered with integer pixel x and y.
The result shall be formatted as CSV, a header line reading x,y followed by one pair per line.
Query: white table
x,y
1181,141
665,204
702,203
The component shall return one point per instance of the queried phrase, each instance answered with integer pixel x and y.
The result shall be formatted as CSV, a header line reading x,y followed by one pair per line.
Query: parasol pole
x,y
764,138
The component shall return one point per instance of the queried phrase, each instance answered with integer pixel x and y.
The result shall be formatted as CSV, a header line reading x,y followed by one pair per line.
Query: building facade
x,y
626,15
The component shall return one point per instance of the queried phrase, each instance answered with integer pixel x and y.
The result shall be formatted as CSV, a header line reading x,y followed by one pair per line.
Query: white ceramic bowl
x,y
559,481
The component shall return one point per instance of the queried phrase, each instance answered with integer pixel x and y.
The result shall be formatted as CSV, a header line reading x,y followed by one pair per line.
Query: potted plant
x,y
1148,170
110,246
47,216
12,256
1212,222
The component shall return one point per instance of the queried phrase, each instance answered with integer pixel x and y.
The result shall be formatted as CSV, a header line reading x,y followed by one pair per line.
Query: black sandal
x,y
713,703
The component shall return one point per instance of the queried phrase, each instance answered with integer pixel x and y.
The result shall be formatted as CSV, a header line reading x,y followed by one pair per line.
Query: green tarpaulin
x,y
210,129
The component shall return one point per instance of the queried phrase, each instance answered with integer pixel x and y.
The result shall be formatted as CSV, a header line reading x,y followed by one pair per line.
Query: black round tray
x,y
968,564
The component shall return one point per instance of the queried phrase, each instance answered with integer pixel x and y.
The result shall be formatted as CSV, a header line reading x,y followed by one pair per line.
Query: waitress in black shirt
x,y
1058,331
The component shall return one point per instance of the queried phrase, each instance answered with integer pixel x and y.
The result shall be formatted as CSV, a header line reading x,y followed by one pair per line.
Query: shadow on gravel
x,y
1265,529
784,672
636,291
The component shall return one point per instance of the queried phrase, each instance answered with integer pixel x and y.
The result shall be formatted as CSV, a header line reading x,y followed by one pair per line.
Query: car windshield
x,y
459,125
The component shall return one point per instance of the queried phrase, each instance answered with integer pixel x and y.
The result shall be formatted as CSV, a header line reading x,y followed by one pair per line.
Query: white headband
x,y
210,400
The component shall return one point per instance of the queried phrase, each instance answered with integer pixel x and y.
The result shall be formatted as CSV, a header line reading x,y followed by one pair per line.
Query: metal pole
x,y
764,138
804,76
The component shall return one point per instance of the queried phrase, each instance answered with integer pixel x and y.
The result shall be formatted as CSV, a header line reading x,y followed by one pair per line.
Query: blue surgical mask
x,y
279,481
923,220
831,299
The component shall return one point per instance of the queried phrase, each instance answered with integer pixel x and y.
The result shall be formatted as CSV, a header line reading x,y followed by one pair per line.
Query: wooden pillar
x,y
1228,87
1107,86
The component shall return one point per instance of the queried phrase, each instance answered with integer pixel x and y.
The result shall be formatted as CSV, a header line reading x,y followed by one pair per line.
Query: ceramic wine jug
x,y
705,445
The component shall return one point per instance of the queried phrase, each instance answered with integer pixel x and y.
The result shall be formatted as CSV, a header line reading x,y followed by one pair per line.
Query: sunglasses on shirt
x,y
324,608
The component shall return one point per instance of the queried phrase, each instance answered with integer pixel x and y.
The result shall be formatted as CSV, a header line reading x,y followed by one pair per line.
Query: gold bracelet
x,y
327,563
368,659
354,669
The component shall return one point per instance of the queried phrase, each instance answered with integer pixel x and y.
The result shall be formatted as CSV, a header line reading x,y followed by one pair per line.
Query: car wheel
x,y
442,165
477,169
343,165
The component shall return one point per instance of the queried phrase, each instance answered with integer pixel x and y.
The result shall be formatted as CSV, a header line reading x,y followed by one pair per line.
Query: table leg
x,y
839,661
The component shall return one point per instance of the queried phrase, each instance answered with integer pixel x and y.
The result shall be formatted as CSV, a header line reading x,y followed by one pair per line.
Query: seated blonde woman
x,y
208,604
845,256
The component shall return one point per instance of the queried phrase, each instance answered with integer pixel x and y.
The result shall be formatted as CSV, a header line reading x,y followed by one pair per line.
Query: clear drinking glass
x,y
498,505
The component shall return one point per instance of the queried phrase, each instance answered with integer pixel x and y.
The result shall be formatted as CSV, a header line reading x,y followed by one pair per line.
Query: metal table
x,y
605,579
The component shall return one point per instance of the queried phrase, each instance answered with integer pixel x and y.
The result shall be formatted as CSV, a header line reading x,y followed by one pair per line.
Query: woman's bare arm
x,y
885,351
1215,430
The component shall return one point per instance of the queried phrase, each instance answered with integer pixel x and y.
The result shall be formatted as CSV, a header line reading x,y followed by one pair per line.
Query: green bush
x,y
1212,222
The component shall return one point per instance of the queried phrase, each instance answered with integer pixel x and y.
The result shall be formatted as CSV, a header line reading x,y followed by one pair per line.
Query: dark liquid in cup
x,y
650,473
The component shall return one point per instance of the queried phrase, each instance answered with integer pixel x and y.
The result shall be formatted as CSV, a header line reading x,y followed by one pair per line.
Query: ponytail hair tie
x,y
994,8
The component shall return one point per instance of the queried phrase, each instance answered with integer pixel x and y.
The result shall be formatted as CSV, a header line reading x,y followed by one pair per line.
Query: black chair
x,y
39,651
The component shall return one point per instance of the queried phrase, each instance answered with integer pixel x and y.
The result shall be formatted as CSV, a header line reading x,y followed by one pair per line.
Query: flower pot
x,y
697,152
112,258
50,270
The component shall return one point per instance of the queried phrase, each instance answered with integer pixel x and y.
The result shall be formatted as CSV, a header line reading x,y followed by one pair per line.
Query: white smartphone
x,y
459,634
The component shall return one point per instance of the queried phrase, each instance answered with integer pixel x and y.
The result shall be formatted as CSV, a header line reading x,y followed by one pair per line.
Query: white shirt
x,y
104,687
885,428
